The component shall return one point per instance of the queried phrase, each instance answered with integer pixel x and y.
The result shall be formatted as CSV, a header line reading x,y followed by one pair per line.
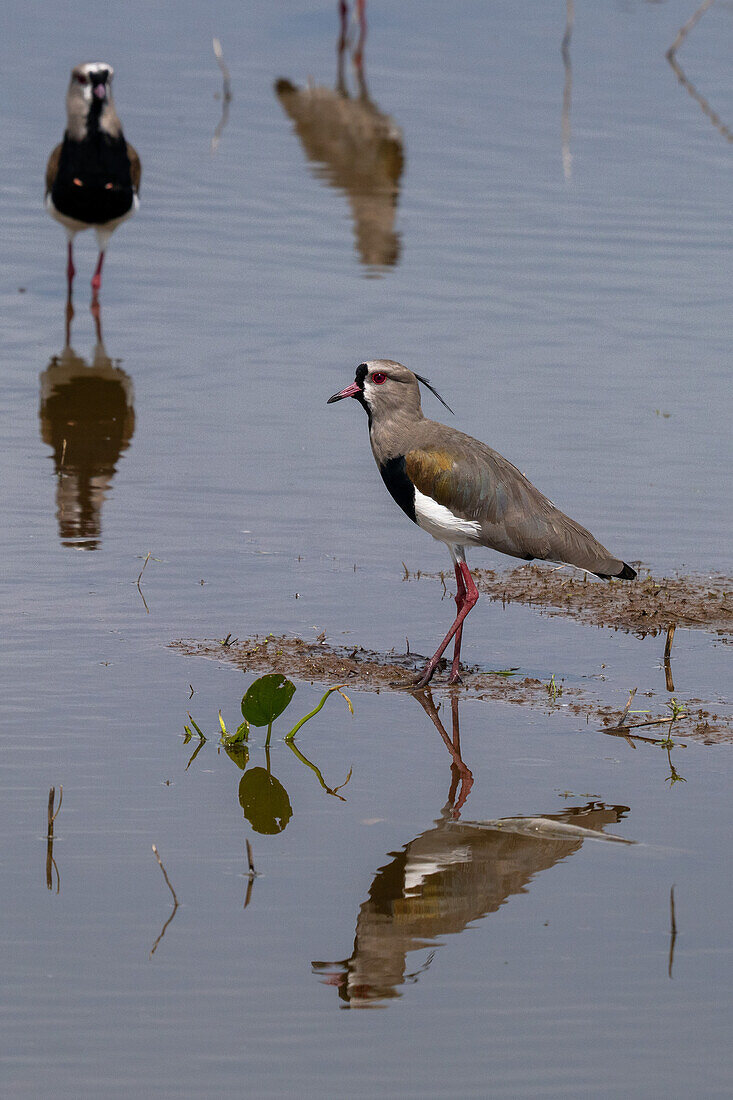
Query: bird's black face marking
x,y
361,372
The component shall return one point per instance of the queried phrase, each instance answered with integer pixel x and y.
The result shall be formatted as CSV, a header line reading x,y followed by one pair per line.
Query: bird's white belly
x,y
440,522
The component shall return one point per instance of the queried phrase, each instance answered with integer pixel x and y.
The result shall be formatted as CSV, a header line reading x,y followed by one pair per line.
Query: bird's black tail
x,y
626,574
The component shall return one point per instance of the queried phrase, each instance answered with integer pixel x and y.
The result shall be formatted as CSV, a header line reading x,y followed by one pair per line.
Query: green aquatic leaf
x,y
267,698
265,801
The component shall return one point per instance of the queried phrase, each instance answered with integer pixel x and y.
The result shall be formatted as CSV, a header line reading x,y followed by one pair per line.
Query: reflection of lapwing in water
x,y
448,877
356,148
87,417
93,176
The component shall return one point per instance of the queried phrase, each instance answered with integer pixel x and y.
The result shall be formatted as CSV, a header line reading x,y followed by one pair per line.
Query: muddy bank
x,y
360,669
648,605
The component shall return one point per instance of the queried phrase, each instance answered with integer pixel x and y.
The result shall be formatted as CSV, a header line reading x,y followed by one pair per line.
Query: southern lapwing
x,y
93,176
463,493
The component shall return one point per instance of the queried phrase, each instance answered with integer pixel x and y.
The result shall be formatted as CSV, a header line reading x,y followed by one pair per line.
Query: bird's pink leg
x,y
469,600
460,598
343,16
97,277
70,269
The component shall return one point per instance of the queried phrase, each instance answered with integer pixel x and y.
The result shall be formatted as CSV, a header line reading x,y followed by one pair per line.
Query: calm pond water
x,y
548,239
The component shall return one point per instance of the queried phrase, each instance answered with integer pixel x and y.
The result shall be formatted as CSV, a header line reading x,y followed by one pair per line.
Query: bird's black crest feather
x,y
433,390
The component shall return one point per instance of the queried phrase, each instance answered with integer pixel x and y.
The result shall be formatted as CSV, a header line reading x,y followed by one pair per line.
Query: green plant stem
x,y
306,717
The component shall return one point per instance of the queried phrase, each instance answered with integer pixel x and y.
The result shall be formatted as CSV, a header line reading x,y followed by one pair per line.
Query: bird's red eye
x,y
379,378
81,79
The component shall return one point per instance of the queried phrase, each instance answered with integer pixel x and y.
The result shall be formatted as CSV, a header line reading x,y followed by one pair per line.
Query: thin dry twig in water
x,y
51,865
139,578
175,902
685,30
687,84
251,875
627,708
669,681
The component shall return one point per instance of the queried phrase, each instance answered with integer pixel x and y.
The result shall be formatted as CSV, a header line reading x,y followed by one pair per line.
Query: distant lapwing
x,y
93,177
462,492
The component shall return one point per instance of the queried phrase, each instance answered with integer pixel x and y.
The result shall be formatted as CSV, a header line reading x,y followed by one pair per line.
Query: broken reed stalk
x,y
627,708
250,860
50,818
685,30
670,638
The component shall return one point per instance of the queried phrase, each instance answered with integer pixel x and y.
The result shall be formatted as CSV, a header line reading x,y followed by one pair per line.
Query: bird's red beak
x,y
351,391
100,91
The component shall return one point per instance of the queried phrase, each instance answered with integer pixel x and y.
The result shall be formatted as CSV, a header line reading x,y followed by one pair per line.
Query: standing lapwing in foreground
x,y
462,492
93,177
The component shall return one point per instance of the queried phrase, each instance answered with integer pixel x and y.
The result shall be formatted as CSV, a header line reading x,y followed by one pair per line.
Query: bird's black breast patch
x,y
401,489
93,183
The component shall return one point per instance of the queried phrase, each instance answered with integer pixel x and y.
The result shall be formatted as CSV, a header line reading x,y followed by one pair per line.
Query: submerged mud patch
x,y
649,605
316,661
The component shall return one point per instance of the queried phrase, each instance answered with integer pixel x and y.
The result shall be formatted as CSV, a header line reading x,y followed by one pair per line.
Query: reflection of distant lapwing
x,y
448,877
355,146
87,416
93,177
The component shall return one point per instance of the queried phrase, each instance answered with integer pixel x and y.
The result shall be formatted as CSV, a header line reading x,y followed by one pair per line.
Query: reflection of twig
x,y
226,95
672,930
688,85
175,902
567,160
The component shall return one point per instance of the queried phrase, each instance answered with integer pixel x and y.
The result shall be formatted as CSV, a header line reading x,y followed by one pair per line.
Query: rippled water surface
x,y
545,234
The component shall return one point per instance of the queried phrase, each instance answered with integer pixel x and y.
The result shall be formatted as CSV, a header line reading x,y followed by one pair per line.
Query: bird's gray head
x,y
387,390
90,97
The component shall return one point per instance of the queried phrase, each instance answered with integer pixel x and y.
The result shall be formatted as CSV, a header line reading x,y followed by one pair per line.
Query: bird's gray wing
x,y
477,483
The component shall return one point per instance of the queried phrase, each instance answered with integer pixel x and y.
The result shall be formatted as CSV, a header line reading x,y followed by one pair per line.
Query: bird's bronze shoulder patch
x,y
431,473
